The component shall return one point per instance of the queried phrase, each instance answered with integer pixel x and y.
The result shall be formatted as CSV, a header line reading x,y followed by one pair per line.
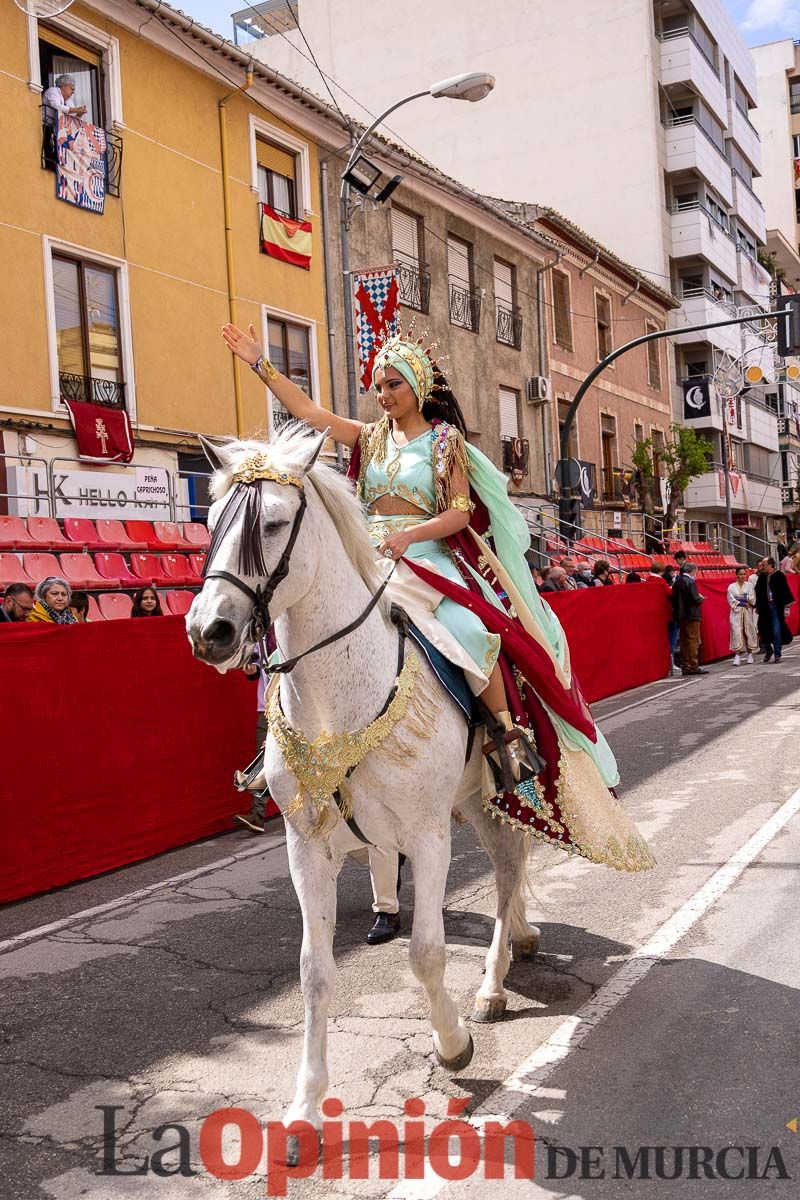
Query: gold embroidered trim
x,y
266,372
321,766
449,452
259,466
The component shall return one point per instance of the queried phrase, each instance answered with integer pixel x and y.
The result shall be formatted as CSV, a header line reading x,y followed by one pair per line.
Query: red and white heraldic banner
x,y
103,434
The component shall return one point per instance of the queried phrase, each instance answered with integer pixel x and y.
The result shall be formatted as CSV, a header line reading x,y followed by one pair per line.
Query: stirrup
x,y
253,778
509,754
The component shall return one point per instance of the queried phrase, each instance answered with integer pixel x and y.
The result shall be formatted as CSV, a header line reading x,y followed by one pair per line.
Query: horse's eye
x,y
274,526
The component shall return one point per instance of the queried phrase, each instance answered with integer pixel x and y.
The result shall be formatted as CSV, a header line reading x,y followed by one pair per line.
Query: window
x,y
657,438
562,316
509,413
276,178
696,369
638,433
653,359
407,250
794,95
796,145
602,308
740,164
740,97
612,485
87,331
61,55
465,305
508,322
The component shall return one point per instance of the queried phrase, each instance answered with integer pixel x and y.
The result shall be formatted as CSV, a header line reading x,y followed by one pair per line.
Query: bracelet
x,y
263,367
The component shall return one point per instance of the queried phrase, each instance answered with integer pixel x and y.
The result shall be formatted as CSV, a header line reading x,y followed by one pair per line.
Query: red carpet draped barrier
x,y
117,744
617,635
715,626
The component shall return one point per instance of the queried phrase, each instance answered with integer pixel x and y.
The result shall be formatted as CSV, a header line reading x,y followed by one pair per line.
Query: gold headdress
x,y
413,359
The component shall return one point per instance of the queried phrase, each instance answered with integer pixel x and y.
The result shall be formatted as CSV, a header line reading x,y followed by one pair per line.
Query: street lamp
x,y
472,86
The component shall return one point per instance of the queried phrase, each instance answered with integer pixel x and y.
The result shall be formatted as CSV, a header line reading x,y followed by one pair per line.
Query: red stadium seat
x,y
12,571
80,571
112,566
46,534
179,603
147,568
38,566
168,532
196,533
113,536
14,535
95,613
196,564
176,568
82,531
115,606
143,531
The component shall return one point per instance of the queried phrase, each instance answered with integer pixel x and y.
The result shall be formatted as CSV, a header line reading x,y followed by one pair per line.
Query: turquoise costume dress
x,y
407,473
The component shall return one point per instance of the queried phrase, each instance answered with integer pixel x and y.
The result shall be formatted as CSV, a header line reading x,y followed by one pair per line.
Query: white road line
x,y
42,931
527,1080
646,700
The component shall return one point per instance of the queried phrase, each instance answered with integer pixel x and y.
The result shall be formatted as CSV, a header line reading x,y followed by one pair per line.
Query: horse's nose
x,y
214,641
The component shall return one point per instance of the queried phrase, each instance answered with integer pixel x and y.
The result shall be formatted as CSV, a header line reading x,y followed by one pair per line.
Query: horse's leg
x,y
507,848
430,859
314,868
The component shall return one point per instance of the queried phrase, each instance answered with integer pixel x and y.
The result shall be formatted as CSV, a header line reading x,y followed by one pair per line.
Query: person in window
x,y
146,603
52,602
59,97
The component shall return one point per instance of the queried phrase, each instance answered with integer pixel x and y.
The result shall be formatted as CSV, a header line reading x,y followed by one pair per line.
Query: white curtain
x,y
84,92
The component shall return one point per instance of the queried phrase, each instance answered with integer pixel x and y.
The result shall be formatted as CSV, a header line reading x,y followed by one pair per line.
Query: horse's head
x,y
260,541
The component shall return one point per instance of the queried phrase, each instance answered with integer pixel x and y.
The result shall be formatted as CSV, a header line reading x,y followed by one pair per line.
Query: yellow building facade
x,y
125,306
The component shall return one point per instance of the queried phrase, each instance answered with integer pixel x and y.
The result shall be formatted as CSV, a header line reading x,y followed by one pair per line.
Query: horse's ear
x,y
213,448
316,449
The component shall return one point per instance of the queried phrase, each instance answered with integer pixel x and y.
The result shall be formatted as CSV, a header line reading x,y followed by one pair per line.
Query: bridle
x,y
247,496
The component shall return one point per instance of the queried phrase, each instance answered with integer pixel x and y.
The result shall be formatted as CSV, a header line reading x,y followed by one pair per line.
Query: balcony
x,y
761,424
701,307
790,497
744,134
749,493
107,392
414,285
684,61
752,278
690,149
749,208
697,234
113,151
508,326
611,479
465,306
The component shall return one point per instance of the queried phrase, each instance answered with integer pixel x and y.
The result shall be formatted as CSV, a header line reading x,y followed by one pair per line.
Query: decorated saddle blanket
x,y
450,676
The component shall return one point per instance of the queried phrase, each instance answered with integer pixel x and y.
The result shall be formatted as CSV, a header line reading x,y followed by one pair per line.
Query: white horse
x,y
404,791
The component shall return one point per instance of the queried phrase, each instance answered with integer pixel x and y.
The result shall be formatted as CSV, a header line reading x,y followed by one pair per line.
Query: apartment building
x,y
120,306
649,144
777,119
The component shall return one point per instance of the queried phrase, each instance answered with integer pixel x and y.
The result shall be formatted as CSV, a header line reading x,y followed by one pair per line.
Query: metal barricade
x,y
25,489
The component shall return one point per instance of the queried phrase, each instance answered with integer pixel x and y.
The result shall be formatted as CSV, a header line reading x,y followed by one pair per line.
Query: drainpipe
x,y
541,319
226,205
329,285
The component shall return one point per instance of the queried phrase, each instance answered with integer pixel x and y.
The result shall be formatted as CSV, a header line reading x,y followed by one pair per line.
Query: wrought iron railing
x,y
107,392
465,306
509,326
414,285
612,484
113,150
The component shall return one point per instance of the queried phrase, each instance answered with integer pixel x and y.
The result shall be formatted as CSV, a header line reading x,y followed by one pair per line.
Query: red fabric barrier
x,y
117,744
617,635
715,619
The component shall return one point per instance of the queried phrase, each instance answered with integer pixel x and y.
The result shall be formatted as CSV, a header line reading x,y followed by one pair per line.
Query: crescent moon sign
x,y
695,397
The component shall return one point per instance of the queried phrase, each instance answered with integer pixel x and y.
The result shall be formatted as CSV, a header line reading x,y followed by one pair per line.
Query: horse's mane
x,y
289,451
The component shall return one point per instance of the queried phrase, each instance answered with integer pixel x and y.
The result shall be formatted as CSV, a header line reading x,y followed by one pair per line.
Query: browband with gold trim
x,y
259,466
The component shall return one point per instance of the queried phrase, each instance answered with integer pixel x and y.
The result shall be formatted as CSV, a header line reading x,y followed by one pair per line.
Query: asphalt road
x,y
662,1011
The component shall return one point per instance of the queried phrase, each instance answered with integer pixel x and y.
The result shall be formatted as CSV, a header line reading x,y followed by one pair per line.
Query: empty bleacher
x,y
109,559
623,556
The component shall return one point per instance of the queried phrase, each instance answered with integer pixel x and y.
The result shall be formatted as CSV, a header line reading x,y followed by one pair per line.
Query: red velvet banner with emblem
x,y
103,434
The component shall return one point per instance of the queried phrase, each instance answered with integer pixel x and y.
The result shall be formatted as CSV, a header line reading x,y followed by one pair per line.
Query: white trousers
x,y
383,875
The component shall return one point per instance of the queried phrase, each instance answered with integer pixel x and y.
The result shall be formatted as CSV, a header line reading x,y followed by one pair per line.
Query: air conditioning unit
x,y
537,390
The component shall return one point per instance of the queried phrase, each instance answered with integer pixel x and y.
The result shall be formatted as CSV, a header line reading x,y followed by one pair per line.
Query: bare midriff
x,y
394,506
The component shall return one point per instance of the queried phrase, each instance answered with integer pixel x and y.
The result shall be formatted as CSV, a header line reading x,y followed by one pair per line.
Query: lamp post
x,y
473,87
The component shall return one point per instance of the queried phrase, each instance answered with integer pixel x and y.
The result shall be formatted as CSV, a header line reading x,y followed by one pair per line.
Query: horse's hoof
x,y
493,1009
525,949
461,1060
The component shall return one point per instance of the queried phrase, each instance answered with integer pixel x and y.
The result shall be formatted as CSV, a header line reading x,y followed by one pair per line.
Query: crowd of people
x,y
54,602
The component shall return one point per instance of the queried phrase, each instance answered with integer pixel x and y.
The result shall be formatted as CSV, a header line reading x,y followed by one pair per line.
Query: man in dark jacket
x,y
773,596
686,602
17,603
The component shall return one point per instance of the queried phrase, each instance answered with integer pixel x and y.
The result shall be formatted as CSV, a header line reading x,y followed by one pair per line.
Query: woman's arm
x,y
293,398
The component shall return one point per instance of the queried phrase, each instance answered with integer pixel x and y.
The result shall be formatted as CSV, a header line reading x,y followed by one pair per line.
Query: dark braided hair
x,y
443,405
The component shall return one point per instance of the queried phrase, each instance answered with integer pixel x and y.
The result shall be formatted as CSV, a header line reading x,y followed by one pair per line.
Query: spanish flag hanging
x,y
285,238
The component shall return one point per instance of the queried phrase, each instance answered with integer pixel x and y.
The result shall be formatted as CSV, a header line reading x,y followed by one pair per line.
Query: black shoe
x,y
768,656
386,927
251,821
699,671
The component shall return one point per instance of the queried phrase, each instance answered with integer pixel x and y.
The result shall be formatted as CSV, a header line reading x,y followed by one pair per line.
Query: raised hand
x,y
244,345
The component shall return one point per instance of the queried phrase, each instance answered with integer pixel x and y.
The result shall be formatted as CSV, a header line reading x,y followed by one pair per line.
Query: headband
x,y
412,359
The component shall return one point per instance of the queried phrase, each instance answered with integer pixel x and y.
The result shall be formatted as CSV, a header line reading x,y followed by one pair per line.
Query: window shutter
x,y
504,283
458,261
282,162
561,313
405,236
653,360
509,417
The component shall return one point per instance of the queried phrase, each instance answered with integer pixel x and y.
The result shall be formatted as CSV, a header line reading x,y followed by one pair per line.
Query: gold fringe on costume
x,y
322,766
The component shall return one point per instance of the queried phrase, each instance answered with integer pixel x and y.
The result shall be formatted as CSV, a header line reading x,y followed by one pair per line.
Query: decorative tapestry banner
x,y
103,434
375,297
81,166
